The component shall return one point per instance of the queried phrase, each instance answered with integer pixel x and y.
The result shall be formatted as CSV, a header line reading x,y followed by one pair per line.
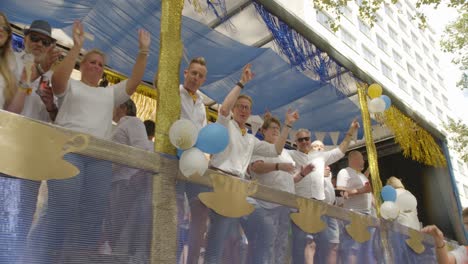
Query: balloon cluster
x,y
191,144
393,205
379,102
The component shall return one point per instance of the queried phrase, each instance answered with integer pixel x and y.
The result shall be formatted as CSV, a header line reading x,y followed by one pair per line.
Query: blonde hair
x,y
395,182
6,55
244,96
199,60
94,51
268,121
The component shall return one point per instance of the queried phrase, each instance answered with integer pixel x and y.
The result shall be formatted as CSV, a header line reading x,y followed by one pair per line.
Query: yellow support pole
x,y
370,146
164,240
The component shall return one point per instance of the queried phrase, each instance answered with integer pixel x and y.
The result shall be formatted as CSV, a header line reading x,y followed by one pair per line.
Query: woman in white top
x,y
407,218
268,226
76,206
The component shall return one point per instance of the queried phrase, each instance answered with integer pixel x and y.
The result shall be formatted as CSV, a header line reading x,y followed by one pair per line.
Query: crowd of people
x,y
106,209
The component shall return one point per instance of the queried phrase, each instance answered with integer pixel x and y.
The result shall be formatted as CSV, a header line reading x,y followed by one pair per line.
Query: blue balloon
x,y
213,138
179,153
388,193
387,100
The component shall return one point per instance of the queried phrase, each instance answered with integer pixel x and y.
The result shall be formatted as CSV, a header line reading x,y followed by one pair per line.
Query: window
x,y
435,92
402,26
388,11
414,38
439,114
347,12
386,70
397,57
348,39
409,15
368,55
436,60
323,19
380,21
441,80
432,41
407,48
416,95
445,101
401,82
461,168
393,34
419,60
364,28
381,44
411,70
429,105
426,50
423,82
430,70
399,6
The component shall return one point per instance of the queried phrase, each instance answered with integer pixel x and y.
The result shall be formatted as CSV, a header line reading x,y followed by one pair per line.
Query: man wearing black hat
x,y
38,104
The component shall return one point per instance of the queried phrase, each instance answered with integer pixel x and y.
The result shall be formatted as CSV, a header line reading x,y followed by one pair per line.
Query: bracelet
x,y
144,52
241,85
443,245
288,126
277,166
302,175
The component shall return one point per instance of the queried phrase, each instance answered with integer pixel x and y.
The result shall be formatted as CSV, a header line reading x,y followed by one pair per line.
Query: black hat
x,y
40,26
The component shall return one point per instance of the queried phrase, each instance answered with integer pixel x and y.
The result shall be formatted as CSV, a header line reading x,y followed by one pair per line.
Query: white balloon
x,y
389,210
193,162
377,105
183,134
406,202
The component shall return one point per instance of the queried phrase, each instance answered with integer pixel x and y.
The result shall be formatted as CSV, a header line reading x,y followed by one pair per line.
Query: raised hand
x,y
78,34
144,40
354,125
305,170
247,74
51,56
291,117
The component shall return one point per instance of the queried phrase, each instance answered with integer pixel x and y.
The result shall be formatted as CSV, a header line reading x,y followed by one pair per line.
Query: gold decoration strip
x,y
415,241
358,228
370,146
37,156
309,216
415,141
164,241
146,106
229,196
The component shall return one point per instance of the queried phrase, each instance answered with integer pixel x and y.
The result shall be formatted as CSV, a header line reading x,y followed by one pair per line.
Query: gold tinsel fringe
x,y
416,142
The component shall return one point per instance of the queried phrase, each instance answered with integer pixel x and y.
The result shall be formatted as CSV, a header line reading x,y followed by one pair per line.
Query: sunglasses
x,y
45,41
303,139
6,29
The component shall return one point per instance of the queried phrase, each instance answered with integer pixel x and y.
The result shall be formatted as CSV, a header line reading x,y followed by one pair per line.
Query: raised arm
x,y
144,41
231,98
442,255
352,129
291,118
63,71
261,167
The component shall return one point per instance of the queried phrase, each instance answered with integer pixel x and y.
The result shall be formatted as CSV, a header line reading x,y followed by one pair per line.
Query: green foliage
x,y
458,134
455,40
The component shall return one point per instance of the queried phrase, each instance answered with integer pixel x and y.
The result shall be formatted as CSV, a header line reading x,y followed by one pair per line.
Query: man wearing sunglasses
x,y
38,104
312,186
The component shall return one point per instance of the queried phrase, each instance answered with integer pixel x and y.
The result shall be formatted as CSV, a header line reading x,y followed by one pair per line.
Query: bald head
x,y
356,160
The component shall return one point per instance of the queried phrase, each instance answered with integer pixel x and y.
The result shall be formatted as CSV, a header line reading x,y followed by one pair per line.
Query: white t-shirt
x,y
460,254
129,131
410,218
33,106
329,190
312,184
352,179
236,157
280,180
12,65
194,112
89,109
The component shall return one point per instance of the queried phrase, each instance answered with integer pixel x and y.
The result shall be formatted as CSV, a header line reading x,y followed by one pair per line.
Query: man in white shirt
x,y
236,157
40,105
312,186
358,198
